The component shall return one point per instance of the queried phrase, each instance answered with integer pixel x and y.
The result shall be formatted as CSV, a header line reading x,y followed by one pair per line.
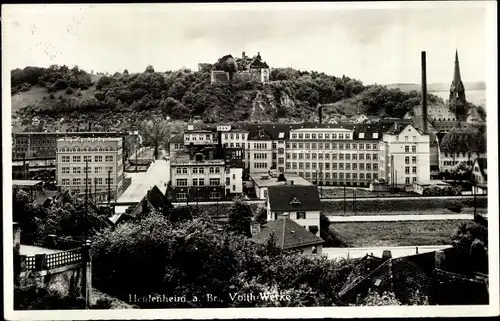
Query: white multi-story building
x,y
335,155
406,156
102,157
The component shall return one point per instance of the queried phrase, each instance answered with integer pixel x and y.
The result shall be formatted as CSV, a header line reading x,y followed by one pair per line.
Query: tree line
x,y
184,94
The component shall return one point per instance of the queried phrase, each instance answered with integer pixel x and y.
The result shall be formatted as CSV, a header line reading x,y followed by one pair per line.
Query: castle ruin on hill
x,y
245,68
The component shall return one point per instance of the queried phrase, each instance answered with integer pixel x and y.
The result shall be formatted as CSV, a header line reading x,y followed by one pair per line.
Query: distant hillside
x,y
479,85
59,92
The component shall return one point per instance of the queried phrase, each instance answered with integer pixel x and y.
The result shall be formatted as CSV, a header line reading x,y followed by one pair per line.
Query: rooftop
x,y
294,198
288,234
265,180
183,158
22,182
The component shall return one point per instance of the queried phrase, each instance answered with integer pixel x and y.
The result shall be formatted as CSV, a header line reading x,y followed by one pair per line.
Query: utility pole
x,y
95,188
321,182
86,196
217,202
353,200
136,160
197,207
343,183
109,190
474,189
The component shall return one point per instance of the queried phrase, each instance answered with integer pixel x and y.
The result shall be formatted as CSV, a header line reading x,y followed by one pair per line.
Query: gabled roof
x,y
400,275
483,166
294,198
155,200
288,234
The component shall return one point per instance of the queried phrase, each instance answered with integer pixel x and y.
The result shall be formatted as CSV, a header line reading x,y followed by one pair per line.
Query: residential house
x,y
480,175
289,235
299,203
401,276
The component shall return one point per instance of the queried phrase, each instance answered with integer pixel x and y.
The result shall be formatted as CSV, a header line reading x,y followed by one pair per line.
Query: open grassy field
x,y
408,233
381,206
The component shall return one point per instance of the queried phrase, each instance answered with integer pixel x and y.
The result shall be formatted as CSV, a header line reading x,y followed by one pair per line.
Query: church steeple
x,y
457,91
457,80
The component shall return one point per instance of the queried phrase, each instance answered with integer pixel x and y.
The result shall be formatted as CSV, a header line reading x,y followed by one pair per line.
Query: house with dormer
x,y
300,204
480,175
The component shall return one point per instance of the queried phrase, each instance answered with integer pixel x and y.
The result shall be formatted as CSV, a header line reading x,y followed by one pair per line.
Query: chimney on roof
x,y
424,93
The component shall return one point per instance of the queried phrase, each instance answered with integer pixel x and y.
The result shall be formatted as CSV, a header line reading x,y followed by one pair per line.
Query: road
x,y
157,174
400,217
396,251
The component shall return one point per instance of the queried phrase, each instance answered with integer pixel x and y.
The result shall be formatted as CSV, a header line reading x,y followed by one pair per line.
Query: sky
x,y
373,42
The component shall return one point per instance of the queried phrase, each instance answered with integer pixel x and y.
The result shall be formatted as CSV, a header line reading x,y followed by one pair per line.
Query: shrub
x,y
69,90
102,303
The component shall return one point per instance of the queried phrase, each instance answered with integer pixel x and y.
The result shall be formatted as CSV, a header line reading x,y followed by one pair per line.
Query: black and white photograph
x,y
237,160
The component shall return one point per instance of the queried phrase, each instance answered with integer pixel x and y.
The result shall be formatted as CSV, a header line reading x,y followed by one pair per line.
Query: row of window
x,y
79,170
333,146
198,170
86,149
413,149
341,166
406,139
407,180
181,196
360,176
298,215
78,159
413,170
260,155
35,141
469,155
333,156
413,159
258,145
198,137
197,182
259,165
233,136
78,181
320,136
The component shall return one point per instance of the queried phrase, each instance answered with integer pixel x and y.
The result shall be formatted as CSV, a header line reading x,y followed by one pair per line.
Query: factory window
x,y
214,181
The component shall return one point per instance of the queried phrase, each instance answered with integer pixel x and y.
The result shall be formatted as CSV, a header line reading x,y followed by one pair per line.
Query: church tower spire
x,y
457,91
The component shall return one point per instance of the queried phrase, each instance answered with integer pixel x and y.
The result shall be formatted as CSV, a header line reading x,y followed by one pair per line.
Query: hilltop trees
x,y
183,94
53,78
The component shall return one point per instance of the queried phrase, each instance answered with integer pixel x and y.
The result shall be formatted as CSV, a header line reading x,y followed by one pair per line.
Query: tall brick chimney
x,y
424,93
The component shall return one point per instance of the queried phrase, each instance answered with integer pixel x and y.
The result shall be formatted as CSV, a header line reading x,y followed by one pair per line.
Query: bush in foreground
x,y
196,258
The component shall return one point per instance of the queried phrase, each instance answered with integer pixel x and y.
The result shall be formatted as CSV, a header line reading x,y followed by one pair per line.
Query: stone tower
x,y
457,92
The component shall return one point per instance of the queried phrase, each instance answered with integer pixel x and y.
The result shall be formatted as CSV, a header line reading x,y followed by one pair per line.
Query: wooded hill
x,y
75,95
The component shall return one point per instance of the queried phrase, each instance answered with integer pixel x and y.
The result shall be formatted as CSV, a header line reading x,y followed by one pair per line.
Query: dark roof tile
x,y
288,234
294,198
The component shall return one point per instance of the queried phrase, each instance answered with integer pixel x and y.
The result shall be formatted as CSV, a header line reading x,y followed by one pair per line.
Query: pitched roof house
x,y
401,276
299,203
154,200
289,235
